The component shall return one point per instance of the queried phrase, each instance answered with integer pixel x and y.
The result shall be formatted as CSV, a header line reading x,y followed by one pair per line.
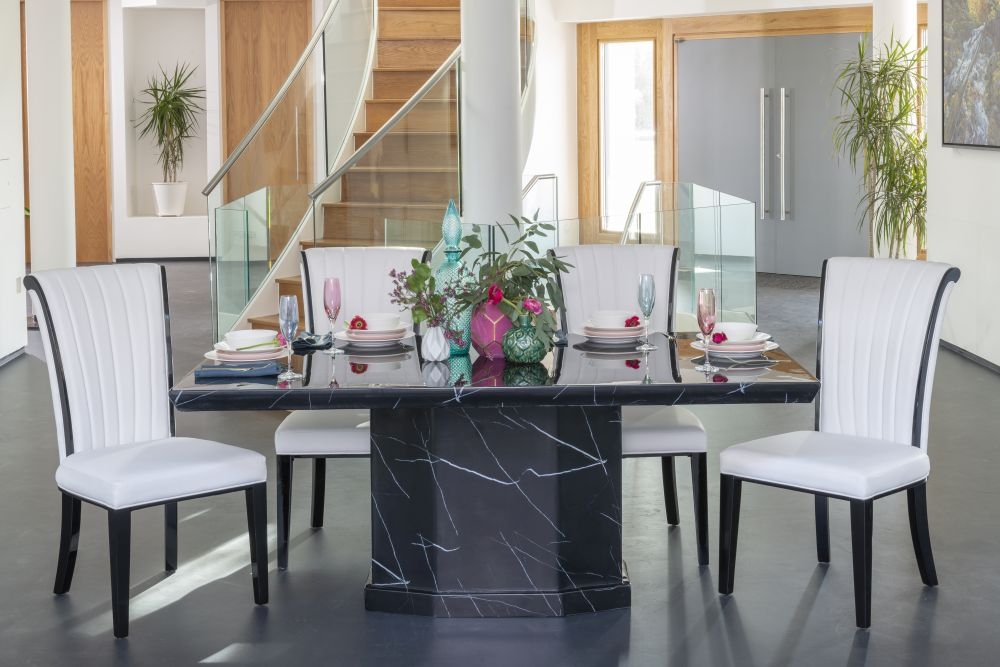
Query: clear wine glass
x,y
706,322
288,321
647,297
331,302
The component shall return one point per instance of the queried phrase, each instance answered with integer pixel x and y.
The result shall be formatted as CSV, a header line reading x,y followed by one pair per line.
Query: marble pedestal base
x,y
496,511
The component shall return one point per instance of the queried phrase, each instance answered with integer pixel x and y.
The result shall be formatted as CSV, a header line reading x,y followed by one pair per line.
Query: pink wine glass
x,y
706,322
331,303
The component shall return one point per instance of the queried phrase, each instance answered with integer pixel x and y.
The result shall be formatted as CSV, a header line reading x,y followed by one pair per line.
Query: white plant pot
x,y
170,198
434,346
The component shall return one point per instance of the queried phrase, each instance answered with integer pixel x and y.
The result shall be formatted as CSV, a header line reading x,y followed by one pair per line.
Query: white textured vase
x,y
170,198
433,345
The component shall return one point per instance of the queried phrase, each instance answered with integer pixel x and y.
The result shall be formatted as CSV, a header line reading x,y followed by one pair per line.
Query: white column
x,y
50,134
894,20
491,111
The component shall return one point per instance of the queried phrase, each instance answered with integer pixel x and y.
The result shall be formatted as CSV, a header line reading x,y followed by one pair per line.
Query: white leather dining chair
x,y
106,335
880,321
606,277
321,434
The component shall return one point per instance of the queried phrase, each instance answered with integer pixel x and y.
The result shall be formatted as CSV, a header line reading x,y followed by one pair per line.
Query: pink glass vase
x,y
489,324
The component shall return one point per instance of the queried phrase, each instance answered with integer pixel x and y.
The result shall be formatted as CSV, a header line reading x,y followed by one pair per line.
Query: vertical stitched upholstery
x,y
364,280
875,319
109,324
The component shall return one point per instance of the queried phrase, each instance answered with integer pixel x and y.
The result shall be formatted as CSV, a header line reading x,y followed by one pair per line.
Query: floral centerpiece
x,y
520,283
432,303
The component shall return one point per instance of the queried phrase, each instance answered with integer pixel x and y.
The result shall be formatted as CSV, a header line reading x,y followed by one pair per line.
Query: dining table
x,y
496,488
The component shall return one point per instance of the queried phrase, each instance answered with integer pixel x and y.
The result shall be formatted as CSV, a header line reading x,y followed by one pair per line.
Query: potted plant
x,y
520,283
880,98
429,302
170,118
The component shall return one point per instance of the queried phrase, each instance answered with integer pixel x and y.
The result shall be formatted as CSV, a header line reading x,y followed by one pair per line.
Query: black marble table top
x,y
575,374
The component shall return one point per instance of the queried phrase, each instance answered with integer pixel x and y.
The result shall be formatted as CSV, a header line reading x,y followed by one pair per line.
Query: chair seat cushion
x,y
656,430
158,471
324,433
841,465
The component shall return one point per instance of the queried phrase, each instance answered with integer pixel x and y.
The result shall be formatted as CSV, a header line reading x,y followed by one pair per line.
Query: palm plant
x,y
171,116
880,98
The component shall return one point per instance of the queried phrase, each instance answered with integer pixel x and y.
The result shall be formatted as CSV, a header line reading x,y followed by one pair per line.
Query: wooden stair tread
x,y
264,322
412,8
289,280
402,170
401,101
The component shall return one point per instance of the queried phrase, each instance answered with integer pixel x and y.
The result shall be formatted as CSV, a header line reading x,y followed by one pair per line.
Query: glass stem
x,y
646,329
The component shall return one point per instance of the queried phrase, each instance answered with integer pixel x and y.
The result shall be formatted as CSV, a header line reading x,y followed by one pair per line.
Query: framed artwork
x,y
970,36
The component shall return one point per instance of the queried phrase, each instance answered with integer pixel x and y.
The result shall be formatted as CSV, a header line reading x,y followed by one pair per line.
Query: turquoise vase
x,y
525,375
449,272
521,345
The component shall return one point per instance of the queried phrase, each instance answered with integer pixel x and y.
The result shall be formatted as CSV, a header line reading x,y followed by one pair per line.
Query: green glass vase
x,y
521,345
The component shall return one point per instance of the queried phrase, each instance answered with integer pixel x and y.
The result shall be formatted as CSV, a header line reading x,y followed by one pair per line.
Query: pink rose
x,y
494,294
632,321
719,338
533,305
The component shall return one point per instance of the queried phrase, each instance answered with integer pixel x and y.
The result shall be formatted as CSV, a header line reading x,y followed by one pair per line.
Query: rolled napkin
x,y
248,369
307,341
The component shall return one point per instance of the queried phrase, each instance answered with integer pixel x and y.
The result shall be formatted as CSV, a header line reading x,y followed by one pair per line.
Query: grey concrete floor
x,y
786,610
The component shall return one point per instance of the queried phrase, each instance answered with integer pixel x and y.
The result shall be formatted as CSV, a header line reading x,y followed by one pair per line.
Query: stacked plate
x,y
373,338
611,335
224,352
738,349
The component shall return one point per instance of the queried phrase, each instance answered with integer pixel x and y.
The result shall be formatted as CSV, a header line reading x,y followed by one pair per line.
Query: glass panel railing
x,y
395,188
540,198
716,234
287,152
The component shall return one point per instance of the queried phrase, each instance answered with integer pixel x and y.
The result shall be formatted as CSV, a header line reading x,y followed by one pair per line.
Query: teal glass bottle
x,y
450,271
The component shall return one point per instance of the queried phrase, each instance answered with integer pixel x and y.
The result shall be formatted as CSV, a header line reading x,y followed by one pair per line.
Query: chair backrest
x,y
606,277
106,337
364,280
880,321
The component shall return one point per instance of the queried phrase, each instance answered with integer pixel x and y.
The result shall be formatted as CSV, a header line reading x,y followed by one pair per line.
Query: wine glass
x,y
288,321
706,322
331,302
647,297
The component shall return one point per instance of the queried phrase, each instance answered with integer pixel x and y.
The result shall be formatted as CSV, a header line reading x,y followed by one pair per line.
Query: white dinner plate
x,y
385,341
267,355
758,338
609,339
611,330
732,354
377,333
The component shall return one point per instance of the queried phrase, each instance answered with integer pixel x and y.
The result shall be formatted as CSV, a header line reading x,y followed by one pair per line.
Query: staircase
x,y
413,172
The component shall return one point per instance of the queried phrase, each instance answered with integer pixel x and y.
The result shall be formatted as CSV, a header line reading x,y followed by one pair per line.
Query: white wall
x,y
554,143
12,306
963,223
580,11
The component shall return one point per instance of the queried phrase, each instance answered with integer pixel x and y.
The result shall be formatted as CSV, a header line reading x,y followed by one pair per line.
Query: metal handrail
x,y
635,205
259,124
388,125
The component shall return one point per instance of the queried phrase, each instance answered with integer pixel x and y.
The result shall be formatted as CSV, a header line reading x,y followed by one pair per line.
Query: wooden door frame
x,y
672,32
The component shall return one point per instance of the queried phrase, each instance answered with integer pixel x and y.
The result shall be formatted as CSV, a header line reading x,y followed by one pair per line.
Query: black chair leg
x,y
119,540
69,540
170,536
257,527
319,492
916,501
284,508
669,489
729,522
822,529
861,543
699,488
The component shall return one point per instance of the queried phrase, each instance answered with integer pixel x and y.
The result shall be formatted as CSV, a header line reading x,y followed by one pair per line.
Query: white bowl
x,y
381,321
610,319
248,337
736,331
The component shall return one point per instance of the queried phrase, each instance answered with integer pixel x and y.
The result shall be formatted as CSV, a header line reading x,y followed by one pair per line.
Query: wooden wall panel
x,y
262,40
90,132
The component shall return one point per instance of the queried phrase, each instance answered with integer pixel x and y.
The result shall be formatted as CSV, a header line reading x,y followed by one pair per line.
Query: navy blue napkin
x,y
307,341
247,369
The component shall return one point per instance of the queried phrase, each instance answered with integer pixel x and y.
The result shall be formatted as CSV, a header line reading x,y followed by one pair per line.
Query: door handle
x,y
783,157
765,108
